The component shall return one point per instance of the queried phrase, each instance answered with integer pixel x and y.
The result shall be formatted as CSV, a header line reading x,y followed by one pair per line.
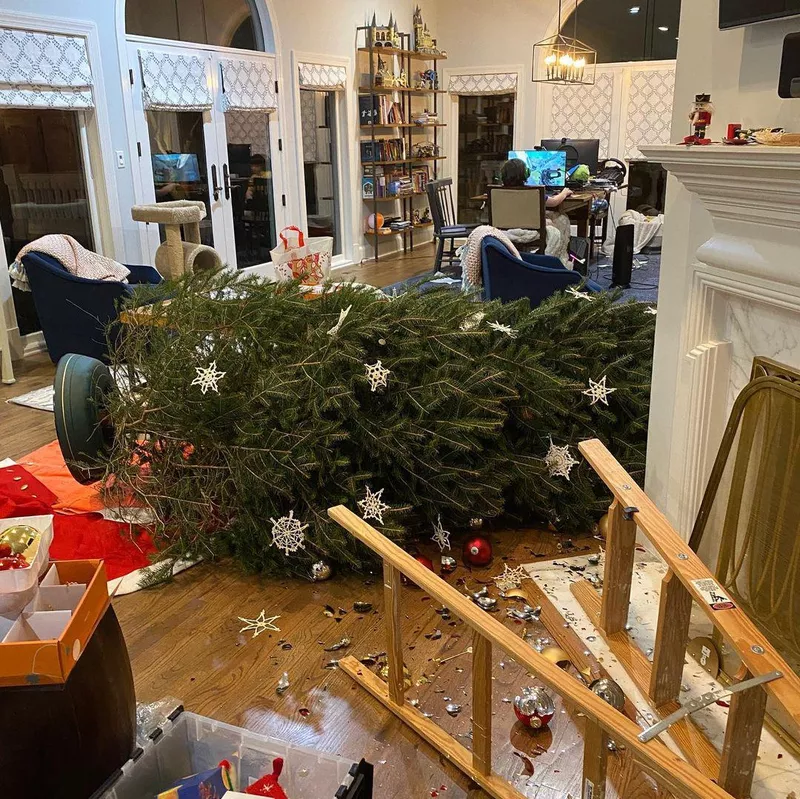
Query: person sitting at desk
x,y
258,169
515,173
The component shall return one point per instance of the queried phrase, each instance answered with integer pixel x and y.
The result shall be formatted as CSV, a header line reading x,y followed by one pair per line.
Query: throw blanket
x,y
471,254
75,258
645,229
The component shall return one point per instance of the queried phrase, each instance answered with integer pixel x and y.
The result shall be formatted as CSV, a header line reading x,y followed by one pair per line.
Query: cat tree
x,y
179,255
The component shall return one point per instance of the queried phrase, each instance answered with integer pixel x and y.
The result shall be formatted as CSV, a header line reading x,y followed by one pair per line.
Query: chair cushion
x,y
454,230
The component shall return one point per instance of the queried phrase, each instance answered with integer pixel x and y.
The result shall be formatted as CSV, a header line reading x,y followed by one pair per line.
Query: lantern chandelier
x,y
564,59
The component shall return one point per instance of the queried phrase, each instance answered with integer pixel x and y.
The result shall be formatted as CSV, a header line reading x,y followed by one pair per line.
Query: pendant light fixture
x,y
564,59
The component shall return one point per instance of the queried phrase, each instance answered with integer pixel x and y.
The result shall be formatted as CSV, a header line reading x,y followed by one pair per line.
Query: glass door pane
x,y
250,182
42,188
485,135
320,163
178,162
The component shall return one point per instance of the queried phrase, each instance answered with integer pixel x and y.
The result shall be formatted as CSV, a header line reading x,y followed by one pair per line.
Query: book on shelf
x,y
383,150
420,175
368,187
368,109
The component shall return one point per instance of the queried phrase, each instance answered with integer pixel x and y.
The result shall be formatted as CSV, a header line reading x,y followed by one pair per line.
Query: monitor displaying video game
x,y
175,168
547,168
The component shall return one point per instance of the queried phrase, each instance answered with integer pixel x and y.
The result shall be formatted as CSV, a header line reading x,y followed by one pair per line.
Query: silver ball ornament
x,y
321,571
609,691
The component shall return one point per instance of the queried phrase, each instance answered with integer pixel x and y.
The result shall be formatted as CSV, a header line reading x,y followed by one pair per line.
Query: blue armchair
x,y
535,277
74,311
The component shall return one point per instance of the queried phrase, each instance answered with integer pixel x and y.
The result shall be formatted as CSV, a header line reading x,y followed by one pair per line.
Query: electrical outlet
x,y
120,159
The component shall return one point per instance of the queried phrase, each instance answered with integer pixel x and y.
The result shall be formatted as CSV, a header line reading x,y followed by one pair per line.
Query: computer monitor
x,y
579,151
176,168
546,168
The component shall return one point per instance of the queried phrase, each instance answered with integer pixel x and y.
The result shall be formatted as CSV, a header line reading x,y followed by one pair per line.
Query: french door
x,y
224,158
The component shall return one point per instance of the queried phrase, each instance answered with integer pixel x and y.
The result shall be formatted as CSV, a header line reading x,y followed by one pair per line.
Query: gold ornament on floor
x,y
19,537
321,571
602,525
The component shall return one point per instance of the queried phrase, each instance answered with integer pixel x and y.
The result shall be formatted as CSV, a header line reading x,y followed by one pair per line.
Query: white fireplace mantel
x,y
737,296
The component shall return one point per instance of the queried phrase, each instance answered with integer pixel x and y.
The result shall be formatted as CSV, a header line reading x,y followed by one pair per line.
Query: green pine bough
x,y
292,420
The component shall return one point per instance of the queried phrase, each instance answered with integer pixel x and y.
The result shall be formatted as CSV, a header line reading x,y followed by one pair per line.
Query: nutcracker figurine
x,y
700,118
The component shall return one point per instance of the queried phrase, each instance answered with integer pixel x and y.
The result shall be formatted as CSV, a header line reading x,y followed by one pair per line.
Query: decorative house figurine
x,y
385,35
423,41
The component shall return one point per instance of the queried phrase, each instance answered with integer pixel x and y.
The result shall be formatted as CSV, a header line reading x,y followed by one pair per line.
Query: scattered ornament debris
x,y
343,644
261,623
527,764
452,708
332,664
304,711
362,607
283,684
434,636
467,651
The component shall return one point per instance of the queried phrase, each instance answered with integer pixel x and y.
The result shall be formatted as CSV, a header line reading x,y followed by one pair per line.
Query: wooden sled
x,y
686,582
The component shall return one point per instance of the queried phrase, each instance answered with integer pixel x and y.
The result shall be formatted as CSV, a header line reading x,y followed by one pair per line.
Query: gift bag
x,y
293,259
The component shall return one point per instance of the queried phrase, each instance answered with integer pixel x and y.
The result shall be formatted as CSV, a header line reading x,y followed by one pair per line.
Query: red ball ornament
x,y
426,562
477,551
534,708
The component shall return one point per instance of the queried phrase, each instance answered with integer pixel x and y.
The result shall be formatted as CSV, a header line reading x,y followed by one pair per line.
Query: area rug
x,y
41,399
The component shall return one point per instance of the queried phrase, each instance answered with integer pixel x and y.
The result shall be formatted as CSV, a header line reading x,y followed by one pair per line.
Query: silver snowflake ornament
x,y
598,391
208,377
440,535
559,461
508,330
342,316
377,374
511,578
287,533
261,623
581,295
372,506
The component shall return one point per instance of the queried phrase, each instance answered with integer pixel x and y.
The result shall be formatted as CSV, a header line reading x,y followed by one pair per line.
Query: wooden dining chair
x,y
519,207
446,229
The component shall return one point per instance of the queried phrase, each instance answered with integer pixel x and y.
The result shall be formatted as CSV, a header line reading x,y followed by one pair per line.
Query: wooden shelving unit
x,y
409,60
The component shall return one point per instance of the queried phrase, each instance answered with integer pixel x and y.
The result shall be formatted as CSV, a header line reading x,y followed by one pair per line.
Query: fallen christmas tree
x,y
257,410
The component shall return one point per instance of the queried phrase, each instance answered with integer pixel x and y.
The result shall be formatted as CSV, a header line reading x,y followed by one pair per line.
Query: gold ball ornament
x,y
19,537
321,571
602,525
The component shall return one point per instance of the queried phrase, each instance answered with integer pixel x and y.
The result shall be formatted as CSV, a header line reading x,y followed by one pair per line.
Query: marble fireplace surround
x,y
743,299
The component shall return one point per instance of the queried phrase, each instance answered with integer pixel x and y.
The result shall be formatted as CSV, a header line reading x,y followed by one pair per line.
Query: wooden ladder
x,y
676,775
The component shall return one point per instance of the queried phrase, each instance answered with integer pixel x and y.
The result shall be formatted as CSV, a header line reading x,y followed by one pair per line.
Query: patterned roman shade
x,y
173,82
249,85
484,83
325,77
44,70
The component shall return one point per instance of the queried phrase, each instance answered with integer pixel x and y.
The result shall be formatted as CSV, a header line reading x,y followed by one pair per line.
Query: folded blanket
x,y
471,253
75,258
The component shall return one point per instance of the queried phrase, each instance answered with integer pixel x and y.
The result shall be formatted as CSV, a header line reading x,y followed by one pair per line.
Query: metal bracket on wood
x,y
704,701
627,513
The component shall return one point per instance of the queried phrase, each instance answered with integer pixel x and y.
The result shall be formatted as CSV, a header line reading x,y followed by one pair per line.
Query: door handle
x,y
226,181
214,183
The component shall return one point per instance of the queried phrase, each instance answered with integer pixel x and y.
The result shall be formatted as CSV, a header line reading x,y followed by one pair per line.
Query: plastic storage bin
x,y
190,743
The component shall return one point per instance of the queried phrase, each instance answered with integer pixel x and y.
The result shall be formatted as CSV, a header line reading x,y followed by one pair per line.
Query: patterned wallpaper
x,y
248,127
649,109
584,112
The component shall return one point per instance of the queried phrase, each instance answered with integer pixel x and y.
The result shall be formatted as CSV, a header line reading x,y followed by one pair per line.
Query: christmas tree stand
x,y
177,255
687,581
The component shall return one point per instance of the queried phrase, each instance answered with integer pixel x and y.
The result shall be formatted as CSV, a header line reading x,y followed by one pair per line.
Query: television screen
x,y
176,168
546,168
734,13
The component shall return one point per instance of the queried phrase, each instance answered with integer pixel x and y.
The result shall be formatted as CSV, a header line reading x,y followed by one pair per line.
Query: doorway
x,y
201,136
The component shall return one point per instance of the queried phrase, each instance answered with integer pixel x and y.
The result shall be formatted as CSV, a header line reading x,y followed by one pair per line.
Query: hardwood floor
x,y
184,641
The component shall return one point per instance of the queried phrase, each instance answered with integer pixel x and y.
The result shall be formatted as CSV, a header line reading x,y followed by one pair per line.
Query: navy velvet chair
x,y
74,311
533,276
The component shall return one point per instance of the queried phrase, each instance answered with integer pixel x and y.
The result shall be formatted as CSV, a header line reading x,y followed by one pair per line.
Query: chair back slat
x,y
519,207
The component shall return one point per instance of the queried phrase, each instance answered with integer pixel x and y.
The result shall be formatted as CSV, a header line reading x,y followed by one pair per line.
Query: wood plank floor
x,y
184,641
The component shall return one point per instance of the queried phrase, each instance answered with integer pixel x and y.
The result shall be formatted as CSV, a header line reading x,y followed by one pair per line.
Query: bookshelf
x,y
394,121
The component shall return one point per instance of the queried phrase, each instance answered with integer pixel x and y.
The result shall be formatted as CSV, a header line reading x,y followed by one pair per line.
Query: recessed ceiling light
x,y
663,28
634,9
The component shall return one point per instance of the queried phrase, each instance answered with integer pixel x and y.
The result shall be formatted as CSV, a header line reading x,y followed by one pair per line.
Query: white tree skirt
x,y
777,770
